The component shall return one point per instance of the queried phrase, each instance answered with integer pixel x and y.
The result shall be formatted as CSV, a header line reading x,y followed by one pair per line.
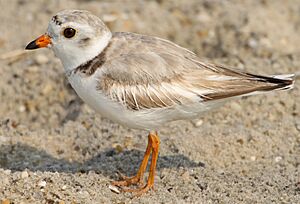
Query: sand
x,y
55,149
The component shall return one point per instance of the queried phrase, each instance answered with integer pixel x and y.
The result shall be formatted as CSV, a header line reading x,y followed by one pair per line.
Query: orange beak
x,y
42,41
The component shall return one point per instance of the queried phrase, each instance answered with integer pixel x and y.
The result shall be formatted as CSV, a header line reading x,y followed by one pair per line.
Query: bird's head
x,y
75,36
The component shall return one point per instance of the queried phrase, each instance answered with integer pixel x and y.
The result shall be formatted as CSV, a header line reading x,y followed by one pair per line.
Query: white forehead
x,y
79,16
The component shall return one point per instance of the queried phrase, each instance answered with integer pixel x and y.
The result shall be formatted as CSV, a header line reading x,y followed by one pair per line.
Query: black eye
x,y
69,32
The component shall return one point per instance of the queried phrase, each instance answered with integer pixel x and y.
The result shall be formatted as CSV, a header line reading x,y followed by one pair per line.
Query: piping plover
x,y
141,81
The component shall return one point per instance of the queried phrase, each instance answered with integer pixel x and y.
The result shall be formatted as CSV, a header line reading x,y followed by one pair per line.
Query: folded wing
x,y
155,73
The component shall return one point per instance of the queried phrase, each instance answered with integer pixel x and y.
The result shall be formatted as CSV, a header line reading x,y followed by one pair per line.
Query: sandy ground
x,y
55,149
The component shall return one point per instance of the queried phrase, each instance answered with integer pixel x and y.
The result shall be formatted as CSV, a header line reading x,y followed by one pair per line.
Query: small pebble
x,y
22,108
64,187
278,159
42,183
114,189
198,123
253,158
24,174
252,43
84,193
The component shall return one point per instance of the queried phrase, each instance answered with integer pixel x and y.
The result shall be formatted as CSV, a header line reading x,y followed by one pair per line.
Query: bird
x,y
143,82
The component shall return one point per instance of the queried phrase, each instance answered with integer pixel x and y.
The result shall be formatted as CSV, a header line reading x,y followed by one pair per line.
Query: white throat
x,y
73,56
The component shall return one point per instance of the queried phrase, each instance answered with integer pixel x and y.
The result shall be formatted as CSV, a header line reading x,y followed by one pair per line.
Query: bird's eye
x,y
69,32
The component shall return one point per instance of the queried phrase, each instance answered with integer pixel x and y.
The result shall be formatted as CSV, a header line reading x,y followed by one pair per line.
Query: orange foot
x,y
127,181
152,147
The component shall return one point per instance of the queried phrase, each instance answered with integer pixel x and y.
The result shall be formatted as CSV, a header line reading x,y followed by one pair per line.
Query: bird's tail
x,y
283,82
275,82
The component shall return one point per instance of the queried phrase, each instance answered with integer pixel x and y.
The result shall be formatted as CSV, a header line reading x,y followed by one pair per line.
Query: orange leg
x,y
153,146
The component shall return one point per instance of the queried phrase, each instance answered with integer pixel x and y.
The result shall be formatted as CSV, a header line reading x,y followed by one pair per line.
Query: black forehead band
x,y
56,21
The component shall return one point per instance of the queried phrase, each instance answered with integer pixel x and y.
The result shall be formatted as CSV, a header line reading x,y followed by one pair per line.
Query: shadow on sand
x,y
20,157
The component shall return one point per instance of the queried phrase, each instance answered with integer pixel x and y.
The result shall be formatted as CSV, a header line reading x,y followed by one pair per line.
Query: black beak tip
x,y
31,46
